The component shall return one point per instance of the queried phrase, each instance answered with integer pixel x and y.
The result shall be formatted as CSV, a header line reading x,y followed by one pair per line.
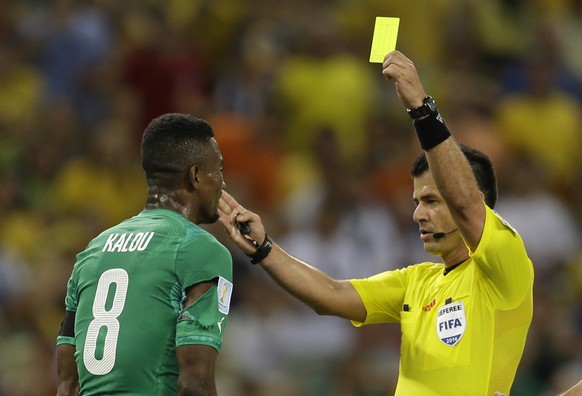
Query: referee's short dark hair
x,y
171,144
481,166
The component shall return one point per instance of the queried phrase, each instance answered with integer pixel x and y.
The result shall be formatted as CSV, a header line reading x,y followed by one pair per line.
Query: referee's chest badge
x,y
451,322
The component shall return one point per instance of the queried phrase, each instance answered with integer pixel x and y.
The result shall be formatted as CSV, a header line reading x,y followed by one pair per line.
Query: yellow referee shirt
x,y
463,333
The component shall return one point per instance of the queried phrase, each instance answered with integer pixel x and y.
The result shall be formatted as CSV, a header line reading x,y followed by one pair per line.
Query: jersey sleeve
x,y
503,261
201,259
203,322
382,295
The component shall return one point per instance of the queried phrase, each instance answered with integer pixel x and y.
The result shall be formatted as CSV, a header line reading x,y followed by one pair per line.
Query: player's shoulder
x,y
163,222
151,225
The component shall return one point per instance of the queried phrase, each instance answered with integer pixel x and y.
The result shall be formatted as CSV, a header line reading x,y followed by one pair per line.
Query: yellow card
x,y
384,39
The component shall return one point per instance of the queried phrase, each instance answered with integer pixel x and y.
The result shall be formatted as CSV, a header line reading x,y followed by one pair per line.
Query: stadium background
x,y
313,139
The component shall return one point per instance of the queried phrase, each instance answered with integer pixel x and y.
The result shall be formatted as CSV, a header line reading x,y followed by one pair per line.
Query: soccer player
x,y
464,321
148,299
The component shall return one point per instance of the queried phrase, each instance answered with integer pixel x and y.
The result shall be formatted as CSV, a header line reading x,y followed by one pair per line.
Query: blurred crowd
x,y
314,139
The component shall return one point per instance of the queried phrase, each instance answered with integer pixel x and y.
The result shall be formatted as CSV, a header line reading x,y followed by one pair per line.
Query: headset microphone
x,y
439,235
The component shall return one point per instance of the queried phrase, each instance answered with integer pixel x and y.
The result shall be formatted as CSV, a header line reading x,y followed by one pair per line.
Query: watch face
x,y
431,104
428,107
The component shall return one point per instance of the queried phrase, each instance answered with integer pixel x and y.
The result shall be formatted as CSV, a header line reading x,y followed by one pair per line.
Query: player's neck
x,y
168,200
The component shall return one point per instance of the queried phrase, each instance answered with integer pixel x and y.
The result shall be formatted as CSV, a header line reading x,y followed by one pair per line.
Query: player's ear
x,y
193,179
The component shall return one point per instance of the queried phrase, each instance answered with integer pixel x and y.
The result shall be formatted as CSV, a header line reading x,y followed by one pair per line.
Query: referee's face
x,y
433,218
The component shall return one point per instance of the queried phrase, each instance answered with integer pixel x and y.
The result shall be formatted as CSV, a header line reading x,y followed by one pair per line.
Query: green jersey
x,y
127,289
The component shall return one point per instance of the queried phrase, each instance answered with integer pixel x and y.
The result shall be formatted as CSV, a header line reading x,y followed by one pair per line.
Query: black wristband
x,y
431,131
262,251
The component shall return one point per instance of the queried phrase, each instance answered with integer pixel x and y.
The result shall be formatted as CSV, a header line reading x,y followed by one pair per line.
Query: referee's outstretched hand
x,y
231,213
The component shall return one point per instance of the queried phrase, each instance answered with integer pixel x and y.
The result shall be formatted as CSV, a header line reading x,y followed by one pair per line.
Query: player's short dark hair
x,y
171,144
481,166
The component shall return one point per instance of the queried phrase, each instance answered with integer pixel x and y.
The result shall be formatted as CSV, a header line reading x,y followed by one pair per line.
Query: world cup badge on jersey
x,y
451,322
224,291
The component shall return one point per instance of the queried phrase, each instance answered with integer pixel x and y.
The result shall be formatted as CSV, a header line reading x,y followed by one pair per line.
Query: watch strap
x,y
262,251
428,107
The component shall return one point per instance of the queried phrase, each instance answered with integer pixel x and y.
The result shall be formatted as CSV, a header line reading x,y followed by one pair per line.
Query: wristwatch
x,y
428,107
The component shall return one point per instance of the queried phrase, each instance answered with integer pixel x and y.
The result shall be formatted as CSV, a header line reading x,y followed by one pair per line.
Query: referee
x,y
464,321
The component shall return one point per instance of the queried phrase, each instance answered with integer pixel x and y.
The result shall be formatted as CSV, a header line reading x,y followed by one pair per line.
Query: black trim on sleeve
x,y
68,324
